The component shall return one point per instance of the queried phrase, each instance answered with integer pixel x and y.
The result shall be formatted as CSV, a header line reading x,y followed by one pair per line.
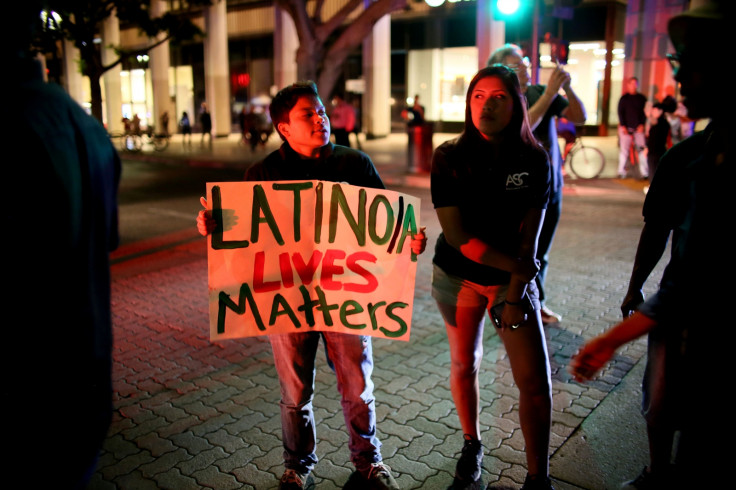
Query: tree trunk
x,y
95,95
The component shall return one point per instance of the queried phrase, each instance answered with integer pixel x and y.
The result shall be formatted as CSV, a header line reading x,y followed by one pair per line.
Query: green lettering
x,y
279,307
225,302
338,200
217,235
261,207
403,327
296,188
373,212
318,204
372,313
408,229
351,307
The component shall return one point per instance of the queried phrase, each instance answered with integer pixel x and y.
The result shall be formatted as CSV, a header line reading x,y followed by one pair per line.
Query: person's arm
x,y
598,351
575,111
479,251
513,312
652,244
557,80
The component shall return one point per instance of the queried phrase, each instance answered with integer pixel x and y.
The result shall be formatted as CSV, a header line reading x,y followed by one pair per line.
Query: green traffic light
x,y
507,7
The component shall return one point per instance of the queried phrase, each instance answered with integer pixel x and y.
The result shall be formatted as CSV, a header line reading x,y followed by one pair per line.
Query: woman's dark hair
x,y
286,99
518,128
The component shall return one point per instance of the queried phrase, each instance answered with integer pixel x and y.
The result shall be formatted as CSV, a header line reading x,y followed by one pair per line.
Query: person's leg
x,y
464,326
641,144
294,356
351,357
527,351
463,310
660,378
624,142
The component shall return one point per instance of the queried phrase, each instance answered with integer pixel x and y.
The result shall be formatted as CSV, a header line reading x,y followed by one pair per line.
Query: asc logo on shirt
x,y
516,181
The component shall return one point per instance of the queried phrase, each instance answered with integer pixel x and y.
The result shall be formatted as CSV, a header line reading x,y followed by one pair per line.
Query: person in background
x,y
135,125
165,123
205,120
631,123
343,120
545,105
307,153
185,128
694,340
57,350
490,187
357,129
658,135
416,113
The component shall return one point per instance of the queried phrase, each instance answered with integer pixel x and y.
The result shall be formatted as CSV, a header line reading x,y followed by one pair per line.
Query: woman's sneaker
x,y
537,483
469,465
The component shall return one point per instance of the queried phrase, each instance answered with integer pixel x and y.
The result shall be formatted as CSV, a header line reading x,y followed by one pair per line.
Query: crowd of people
x,y
496,189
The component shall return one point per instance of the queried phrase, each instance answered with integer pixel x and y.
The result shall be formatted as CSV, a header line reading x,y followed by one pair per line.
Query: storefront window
x,y
440,77
586,64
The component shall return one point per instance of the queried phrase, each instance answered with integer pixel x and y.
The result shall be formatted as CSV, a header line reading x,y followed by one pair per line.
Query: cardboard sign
x,y
297,256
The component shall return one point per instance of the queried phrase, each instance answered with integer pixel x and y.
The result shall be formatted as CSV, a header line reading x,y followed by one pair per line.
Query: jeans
x,y
351,358
544,242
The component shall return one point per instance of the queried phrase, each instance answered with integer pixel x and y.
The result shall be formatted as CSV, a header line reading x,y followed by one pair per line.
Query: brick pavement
x,y
193,414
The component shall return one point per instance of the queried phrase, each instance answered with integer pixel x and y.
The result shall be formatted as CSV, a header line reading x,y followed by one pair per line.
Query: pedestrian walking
x,y
185,128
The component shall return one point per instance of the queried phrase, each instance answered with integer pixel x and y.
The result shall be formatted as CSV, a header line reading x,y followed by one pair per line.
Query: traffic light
x,y
512,10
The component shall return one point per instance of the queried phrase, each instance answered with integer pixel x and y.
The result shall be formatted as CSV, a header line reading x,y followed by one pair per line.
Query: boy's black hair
x,y
286,99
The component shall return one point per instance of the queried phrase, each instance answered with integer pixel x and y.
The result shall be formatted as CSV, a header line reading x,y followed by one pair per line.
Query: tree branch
x,y
323,31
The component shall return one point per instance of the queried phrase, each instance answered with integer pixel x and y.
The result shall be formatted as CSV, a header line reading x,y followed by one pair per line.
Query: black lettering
x,y
217,236
225,302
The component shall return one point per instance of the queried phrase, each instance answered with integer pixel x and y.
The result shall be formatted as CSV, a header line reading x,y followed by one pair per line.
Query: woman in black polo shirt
x,y
490,188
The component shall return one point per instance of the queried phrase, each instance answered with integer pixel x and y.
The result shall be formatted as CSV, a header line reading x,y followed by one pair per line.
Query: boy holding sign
x,y
307,154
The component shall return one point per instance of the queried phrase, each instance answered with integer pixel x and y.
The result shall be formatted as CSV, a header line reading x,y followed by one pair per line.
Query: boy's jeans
x,y
351,358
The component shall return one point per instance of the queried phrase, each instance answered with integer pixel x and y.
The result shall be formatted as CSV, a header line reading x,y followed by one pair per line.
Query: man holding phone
x,y
545,105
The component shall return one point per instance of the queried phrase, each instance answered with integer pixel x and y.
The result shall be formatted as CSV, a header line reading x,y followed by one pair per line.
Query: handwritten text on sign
x,y
298,256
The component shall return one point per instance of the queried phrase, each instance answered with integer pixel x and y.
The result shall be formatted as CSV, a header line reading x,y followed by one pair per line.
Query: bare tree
x,y
324,45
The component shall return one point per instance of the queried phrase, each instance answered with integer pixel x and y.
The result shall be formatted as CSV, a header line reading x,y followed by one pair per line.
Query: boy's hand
x,y
205,222
419,241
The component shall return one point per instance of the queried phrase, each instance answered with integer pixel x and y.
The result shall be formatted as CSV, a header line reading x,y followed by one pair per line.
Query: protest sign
x,y
298,256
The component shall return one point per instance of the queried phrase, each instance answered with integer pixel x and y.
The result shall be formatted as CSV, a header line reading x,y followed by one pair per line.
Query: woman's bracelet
x,y
512,303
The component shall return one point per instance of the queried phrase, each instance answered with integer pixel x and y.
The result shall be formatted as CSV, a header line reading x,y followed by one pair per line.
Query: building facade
x,y
432,49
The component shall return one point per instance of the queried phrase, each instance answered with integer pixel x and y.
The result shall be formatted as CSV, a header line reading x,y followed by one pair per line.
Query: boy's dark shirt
x,y
335,164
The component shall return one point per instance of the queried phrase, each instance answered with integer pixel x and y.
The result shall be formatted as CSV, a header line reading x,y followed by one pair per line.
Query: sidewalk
x,y
194,414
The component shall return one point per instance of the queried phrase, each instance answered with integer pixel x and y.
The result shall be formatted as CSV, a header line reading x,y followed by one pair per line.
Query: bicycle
x,y
586,162
134,142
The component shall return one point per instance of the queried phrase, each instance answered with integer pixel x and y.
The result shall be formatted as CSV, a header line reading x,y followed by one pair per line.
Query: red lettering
x,y
371,281
258,285
306,271
329,269
287,276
